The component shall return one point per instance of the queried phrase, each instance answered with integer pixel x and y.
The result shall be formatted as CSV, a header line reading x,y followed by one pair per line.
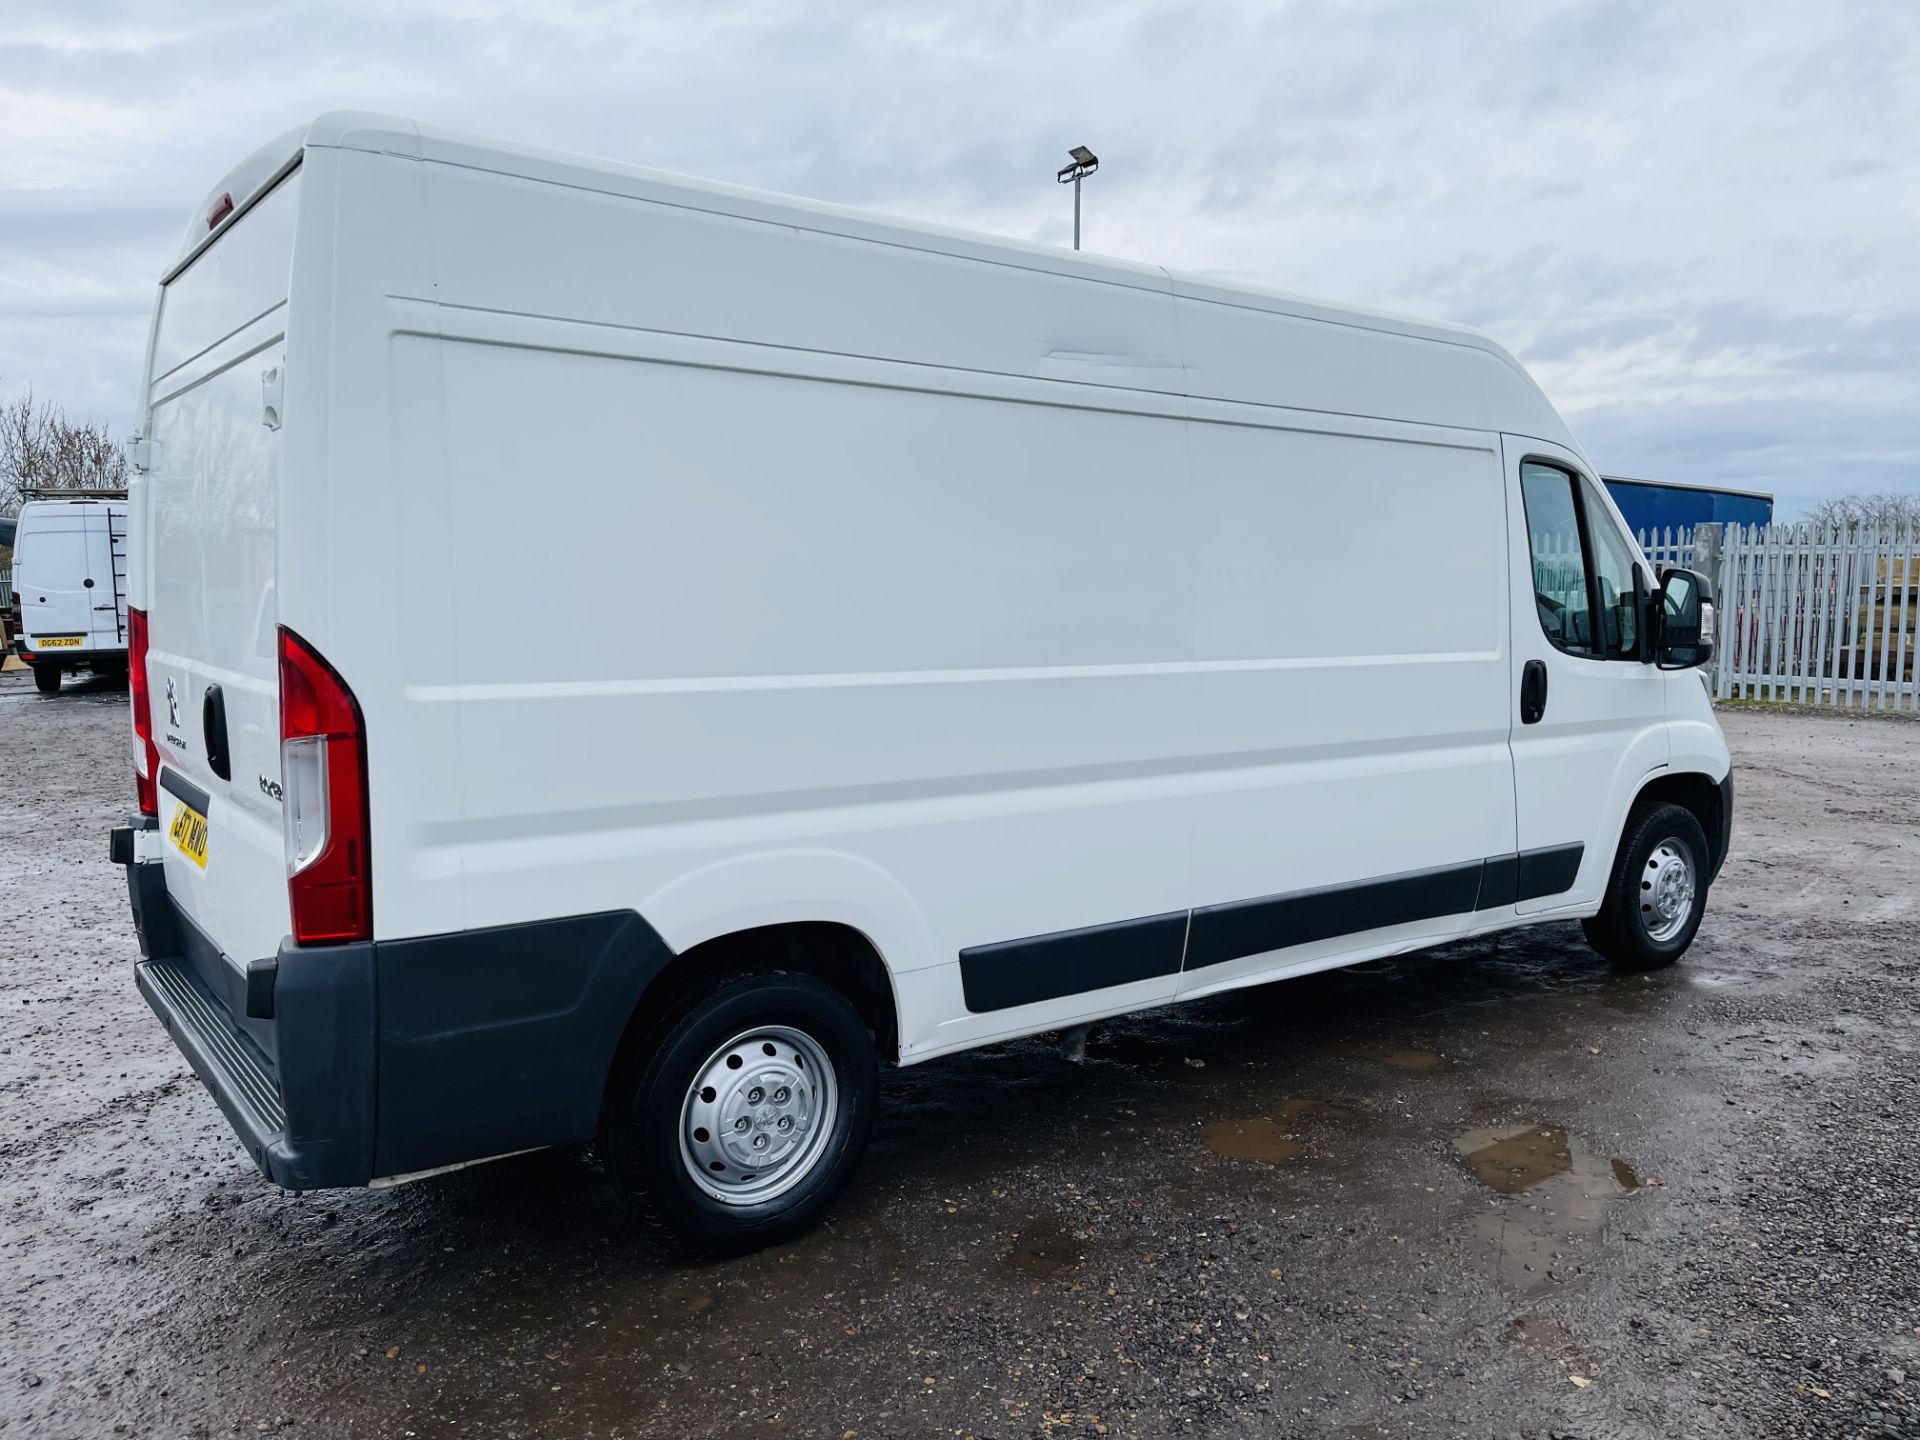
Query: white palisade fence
x,y
1807,614
1667,548
1818,616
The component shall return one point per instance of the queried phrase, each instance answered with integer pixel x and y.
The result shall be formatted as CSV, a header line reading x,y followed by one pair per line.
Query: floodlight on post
x,y
1085,162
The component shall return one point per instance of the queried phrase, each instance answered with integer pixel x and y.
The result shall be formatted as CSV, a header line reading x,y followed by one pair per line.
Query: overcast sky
x,y
1698,223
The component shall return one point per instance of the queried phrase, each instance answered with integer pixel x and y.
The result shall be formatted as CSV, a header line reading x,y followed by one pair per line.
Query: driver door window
x,y
1561,592
1613,573
1585,584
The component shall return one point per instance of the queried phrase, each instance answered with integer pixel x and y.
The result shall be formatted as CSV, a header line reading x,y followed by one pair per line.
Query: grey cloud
x,y
1696,221
1798,451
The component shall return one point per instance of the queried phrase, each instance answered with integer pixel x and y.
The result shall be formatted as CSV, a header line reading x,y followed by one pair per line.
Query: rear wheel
x,y
1658,891
747,1116
46,678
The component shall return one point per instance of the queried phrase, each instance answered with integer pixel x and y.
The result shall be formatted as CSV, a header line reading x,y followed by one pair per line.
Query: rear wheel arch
x,y
738,1120
830,951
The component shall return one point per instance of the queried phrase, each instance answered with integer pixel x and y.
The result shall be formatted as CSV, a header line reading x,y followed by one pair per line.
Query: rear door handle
x,y
213,726
1533,692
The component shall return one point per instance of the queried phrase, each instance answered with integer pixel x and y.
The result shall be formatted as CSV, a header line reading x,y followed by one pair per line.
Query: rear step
x,y
227,1061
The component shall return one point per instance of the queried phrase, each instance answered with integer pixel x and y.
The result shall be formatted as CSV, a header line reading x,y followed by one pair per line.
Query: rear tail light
x,y
323,782
146,759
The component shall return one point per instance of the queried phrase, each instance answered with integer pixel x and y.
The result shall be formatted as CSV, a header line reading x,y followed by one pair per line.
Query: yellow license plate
x,y
55,642
189,833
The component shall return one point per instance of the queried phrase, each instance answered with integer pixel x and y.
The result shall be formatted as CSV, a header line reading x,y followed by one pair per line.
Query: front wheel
x,y
46,678
748,1117
1658,891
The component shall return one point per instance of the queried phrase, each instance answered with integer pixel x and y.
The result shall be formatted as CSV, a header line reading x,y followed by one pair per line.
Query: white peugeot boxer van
x,y
906,640
69,592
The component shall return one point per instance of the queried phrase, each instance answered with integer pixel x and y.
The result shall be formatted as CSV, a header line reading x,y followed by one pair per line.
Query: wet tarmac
x,y
1490,1190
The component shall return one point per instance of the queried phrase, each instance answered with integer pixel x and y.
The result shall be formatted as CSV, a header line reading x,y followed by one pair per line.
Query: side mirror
x,y
1683,620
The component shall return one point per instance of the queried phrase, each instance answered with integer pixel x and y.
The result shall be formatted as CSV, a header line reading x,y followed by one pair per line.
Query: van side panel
x,y
1351,701
787,633
929,636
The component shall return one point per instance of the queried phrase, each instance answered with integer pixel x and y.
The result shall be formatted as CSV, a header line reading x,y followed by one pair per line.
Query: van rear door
x,y
107,568
55,603
210,504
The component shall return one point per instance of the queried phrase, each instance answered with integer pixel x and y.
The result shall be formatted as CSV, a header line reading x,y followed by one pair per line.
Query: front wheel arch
x,y
1633,928
1709,801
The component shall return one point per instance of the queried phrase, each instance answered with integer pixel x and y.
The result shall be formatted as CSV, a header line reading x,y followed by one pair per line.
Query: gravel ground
x,y
1491,1190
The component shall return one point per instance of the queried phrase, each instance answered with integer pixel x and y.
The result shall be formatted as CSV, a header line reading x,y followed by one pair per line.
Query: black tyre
x,y
1658,891
739,1122
46,678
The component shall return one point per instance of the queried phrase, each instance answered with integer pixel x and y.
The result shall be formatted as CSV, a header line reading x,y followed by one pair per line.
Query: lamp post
x,y
1085,162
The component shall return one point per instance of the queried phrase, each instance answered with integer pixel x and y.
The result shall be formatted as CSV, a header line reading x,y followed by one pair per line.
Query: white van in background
x,y
69,600
919,639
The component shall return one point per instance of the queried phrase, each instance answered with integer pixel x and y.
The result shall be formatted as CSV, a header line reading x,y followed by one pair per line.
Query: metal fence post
x,y
1706,560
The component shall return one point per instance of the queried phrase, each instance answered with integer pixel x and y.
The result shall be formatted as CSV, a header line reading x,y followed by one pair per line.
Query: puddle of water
x,y
1399,1059
1259,1138
1300,1108
1559,1197
676,1297
1512,1162
1275,1137
1412,1059
1044,1248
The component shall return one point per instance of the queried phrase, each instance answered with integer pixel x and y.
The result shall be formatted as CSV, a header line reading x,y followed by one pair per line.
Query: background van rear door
x,y
107,569
52,569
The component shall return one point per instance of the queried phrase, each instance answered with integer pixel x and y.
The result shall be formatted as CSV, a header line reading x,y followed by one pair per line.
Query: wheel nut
x,y
755,1095
759,1142
742,1123
784,1123
782,1095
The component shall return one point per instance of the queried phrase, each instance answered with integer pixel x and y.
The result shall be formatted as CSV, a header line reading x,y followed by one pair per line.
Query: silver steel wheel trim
x,y
1666,890
758,1115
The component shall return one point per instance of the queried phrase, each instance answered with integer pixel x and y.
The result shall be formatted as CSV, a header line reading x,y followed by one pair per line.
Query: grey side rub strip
x,y
1069,962
1045,967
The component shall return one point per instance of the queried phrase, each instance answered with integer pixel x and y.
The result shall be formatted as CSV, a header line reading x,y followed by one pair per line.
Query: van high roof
x,y
1519,407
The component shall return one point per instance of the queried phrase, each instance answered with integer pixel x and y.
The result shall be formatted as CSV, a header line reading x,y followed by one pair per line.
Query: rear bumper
x,y
297,1081
339,1065
240,1078
84,654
